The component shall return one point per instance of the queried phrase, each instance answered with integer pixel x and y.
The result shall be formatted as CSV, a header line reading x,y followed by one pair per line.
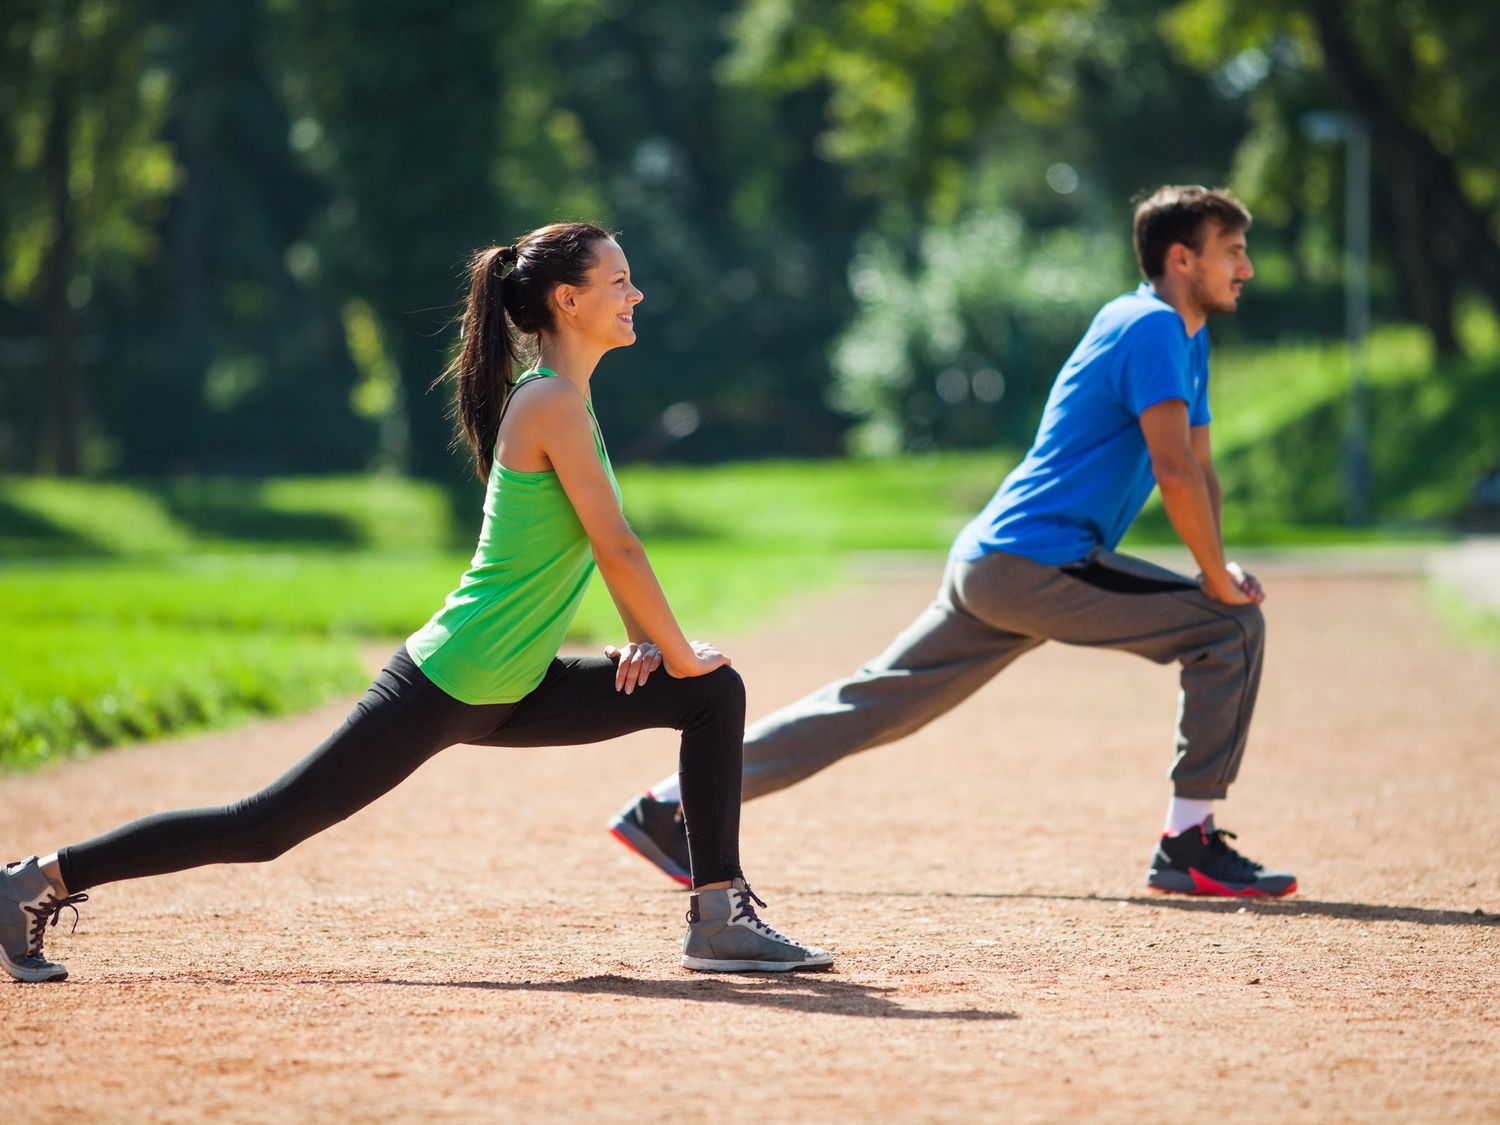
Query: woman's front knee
x,y
726,682
722,689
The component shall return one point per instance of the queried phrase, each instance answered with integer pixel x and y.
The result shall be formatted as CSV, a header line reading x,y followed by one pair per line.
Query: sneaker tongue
x,y
1208,825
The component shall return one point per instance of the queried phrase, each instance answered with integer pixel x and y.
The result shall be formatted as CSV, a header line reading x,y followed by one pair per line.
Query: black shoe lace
x,y
745,902
48,912
1228,863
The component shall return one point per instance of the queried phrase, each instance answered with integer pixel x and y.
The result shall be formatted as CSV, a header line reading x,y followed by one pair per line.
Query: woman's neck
x,y
569,358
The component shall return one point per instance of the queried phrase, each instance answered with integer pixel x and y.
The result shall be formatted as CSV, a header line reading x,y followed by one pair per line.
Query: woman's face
x,y
603,308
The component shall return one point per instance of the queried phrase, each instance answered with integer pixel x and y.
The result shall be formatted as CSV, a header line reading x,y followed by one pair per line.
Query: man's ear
x,y
1179,254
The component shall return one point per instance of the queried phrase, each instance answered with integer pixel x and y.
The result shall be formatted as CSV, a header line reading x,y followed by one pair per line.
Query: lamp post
x,y
1327,125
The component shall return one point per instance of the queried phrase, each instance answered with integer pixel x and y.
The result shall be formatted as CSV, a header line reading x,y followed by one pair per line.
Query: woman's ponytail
x,y
484,369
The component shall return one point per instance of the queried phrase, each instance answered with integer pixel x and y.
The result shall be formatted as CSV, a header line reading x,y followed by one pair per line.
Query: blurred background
x,y
233,231
868,232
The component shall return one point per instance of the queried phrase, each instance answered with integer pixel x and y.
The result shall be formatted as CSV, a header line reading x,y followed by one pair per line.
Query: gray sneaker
x,y
27,904
725,935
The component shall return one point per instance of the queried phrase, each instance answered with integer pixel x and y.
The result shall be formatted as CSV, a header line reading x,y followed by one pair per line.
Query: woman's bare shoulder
x,y
544,398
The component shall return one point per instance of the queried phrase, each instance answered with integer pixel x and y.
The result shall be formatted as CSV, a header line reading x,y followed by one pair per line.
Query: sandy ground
x,y
475,947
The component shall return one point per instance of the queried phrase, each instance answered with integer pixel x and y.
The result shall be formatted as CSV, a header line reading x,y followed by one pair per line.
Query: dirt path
x,y
474,947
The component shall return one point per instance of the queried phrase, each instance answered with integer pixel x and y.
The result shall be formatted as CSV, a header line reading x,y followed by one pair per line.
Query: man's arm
x,y
1190,494
1203,454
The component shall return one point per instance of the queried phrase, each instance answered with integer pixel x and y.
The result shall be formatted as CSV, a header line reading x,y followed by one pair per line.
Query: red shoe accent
x,y
1207,886
620,836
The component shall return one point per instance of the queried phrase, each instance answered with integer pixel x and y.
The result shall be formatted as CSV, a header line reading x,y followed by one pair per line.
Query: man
x,y
1129,411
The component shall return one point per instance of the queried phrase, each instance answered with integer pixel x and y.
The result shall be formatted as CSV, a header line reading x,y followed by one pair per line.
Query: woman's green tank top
x,y
496,634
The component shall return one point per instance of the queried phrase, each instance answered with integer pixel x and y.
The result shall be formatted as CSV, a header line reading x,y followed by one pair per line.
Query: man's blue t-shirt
x,y
1088,473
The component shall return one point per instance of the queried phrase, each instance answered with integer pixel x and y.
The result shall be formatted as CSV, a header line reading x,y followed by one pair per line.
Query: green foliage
x,y
1411,74
913,82
737,229
1280,435
959,348
89,68
1435,430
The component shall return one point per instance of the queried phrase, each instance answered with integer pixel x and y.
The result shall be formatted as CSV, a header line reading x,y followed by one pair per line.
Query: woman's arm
x,y
556,417
639,658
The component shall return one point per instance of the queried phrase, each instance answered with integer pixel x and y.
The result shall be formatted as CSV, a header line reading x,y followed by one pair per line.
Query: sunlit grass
x,y
69,687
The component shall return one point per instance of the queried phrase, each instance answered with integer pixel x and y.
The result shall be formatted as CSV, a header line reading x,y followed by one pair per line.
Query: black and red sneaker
x,y
655,831
1199,862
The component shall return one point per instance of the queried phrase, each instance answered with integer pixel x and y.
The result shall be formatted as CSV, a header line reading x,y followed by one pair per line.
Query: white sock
x,y
667,789
1184,813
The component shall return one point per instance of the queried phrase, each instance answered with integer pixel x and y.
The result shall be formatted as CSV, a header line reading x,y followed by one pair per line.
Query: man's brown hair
x,y
1177,213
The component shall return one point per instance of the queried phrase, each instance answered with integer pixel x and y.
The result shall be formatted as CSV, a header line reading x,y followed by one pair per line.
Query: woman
x,y
485,669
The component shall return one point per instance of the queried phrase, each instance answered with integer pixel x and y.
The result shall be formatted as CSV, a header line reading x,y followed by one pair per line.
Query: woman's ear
x,y
565,299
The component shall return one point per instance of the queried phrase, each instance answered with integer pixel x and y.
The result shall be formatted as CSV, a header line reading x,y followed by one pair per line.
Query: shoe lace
x,y
47,913
745,902
1226,860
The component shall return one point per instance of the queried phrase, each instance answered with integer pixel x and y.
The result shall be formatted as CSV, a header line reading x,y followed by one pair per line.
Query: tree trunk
x,y
1428,278
59,450
1440,201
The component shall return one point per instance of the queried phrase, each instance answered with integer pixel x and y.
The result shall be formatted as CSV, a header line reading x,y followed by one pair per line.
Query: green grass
x,y
340,593
42,516
46,517
83,686
910,503
1281,419
1474,626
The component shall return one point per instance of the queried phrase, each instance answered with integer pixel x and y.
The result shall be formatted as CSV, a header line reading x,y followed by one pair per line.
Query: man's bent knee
x,y
1252,624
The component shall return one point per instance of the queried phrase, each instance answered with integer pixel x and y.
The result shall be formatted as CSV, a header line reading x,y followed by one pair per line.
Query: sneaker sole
x,y
1193,882
709,965
32,976
645,847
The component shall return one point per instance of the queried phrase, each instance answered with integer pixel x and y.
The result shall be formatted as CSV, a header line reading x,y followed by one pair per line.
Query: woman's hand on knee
x,y
706,659
633,664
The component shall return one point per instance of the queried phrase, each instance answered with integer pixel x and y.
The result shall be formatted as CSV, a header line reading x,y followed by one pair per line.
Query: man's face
x,y
1220,269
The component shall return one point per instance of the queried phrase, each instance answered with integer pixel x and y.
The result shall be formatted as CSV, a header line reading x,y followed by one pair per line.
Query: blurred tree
x,y
1415,72
1001,144
915,84
738,231
396,109
236,361
86,170
260,209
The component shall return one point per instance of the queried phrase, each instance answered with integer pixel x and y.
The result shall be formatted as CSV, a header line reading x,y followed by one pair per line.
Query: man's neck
x,y
1175,293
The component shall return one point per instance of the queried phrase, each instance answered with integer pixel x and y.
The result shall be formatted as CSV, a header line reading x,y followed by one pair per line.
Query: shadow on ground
x,y
1271,908
798,992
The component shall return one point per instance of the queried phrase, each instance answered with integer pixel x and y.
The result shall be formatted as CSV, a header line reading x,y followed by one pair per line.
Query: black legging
x,y
405,719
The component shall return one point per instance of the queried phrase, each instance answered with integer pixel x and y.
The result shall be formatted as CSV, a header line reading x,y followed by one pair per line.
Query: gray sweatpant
x,y
989,612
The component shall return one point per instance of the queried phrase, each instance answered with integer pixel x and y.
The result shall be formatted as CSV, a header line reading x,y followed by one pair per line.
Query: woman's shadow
x,y
792,992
